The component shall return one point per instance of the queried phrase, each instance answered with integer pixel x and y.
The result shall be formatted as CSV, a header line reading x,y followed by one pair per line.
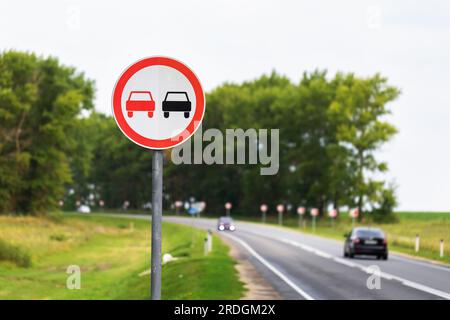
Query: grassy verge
x,y
113,255
431,226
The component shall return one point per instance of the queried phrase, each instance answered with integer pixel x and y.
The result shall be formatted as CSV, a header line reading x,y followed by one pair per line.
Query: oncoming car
x,y
366,241
225,223
176,101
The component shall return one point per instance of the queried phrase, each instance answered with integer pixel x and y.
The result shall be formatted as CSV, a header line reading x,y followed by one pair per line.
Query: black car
x,y
176,101
366,241
225,223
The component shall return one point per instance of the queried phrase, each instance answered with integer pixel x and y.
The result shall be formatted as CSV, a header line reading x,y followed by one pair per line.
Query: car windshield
x,y
369,233
177,96
225,220
140,96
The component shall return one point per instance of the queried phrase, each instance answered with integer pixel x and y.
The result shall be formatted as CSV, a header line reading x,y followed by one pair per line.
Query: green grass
x,y
431,226
112,253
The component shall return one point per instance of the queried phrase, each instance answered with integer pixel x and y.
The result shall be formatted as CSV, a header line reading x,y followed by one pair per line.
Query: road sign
x,y
280,208
178,204
228,205
264,207
314,212
332,213
301,210
354,213
158,103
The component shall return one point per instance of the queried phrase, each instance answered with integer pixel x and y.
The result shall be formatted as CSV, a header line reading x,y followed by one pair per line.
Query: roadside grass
x,y
112,253
431,227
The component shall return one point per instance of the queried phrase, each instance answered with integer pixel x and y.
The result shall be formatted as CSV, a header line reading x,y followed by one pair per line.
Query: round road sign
x,y
158,103
228,205
314,212
332,213
301,210
280,208
264,207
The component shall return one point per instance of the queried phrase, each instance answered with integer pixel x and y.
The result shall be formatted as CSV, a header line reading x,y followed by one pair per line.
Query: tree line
x,y
56,150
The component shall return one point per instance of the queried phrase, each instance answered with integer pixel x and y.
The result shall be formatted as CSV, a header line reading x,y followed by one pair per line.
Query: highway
x,y
303,266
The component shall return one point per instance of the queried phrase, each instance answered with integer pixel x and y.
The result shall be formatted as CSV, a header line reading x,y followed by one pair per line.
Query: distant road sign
x,y
314,212
332,213
158,103
301,210
280,208
354,213
264,207
228,205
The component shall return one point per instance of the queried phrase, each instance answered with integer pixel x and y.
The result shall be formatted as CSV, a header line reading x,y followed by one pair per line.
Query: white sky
x,y
407,41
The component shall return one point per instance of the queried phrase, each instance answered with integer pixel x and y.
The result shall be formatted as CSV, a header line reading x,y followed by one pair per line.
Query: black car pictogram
x,y
176,101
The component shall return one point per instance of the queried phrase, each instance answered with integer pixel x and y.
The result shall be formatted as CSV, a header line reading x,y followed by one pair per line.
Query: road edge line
x,y
271,267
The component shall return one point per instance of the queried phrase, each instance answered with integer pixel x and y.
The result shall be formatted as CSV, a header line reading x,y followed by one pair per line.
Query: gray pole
x,y
157,184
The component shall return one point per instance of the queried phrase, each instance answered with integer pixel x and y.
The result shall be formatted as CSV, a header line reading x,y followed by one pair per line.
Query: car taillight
x,y
355,240
384,241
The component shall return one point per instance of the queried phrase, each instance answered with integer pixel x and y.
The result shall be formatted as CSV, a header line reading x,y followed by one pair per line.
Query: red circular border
x,y
153,143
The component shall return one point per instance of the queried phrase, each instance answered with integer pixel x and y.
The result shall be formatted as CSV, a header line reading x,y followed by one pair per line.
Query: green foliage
x,y
40,104
14,254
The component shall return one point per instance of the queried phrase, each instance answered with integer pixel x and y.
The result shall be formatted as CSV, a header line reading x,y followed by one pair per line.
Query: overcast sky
x,y
406,41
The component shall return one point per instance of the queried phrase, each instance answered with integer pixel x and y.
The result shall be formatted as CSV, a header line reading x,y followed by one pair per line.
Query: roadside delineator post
x,y
417,244
441,248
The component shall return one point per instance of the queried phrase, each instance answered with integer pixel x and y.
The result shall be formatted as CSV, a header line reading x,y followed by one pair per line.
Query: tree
x,y
40,104
359,110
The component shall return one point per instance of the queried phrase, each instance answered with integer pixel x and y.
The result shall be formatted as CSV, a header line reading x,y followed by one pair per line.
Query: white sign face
x,y
158,103
301,210
314,212
263,207
228,205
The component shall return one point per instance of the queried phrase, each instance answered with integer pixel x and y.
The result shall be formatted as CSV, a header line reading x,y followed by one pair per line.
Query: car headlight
x,y
232,228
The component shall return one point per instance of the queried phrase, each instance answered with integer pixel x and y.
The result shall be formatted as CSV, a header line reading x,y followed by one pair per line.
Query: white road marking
x,y
384,275
420,263
272,268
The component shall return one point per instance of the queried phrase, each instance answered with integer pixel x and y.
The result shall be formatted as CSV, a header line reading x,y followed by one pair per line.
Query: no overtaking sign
x,y
158,103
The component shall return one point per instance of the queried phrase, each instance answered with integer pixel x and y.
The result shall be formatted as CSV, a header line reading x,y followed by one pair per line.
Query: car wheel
x,y
166,114
186,114
345,254
150,114
130,114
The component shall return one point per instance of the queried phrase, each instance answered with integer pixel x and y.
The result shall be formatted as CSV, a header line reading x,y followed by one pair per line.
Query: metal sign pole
x,y
157,184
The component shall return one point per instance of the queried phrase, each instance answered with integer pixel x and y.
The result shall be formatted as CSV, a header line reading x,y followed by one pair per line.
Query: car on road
x,y
226,223
140,101
366,241
176,101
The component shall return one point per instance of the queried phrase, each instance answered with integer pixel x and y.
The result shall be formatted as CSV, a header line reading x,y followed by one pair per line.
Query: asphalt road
x,y
302,266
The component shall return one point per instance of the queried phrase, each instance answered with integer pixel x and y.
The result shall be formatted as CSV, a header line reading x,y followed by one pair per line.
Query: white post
x,y
210,242
205,246
441,249
417,246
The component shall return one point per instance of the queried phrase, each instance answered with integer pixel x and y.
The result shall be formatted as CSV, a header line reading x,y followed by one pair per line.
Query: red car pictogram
x,y
140,101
